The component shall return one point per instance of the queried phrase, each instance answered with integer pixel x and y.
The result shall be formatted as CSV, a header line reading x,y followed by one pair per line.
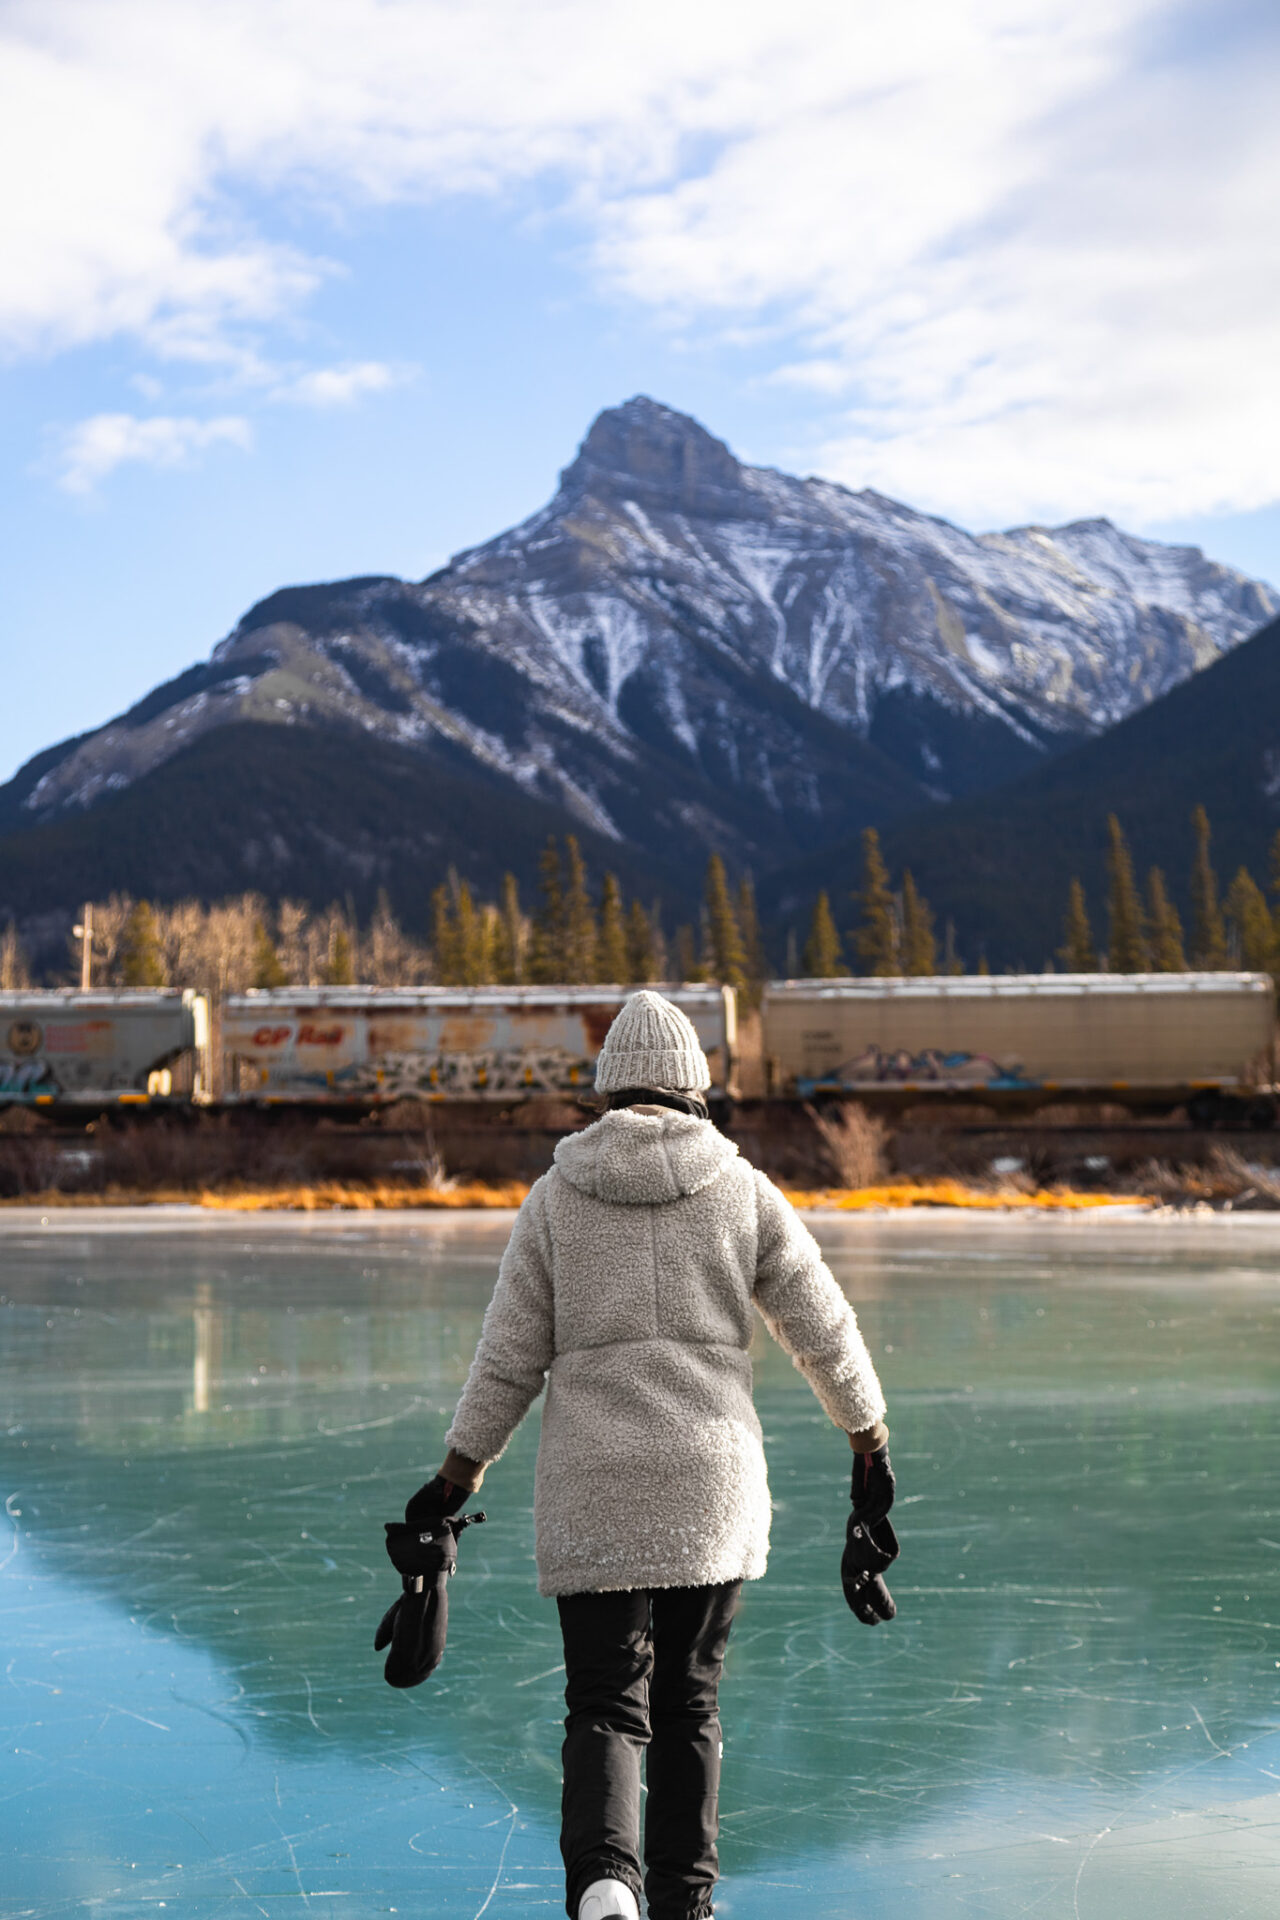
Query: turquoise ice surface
x,y
1074,1717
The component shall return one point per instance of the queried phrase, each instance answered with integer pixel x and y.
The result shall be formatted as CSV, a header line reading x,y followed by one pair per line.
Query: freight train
x,y
1147,1042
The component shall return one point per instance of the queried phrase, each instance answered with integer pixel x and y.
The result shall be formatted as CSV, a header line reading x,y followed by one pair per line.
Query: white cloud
x,y
339,386
1021,247
97,446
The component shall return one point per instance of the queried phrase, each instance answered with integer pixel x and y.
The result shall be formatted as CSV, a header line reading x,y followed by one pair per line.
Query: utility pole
x,y
83,932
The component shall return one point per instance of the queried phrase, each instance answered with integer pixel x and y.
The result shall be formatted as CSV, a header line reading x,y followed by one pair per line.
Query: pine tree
x,y
984,966
546,948
1127,951
509,943
611,948
919,943
689,966
1208,937
754,961
1164,928
1252,934
823,959
470,937
340,971
141,959
1273,866
876,939
579,918
1077,952
447,962
728,962
267,968
663,964
641,963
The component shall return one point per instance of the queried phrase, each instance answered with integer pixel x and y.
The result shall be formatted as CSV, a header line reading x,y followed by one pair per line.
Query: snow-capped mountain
x,y
679,645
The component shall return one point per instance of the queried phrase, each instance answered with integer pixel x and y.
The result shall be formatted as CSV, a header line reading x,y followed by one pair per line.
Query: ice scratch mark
x,y
502,1857
1084,1861
1208,1736
13,1516
310,1714
293,1858
159,1724
249,1897
502,1861
362,1426
540,1676
223,1719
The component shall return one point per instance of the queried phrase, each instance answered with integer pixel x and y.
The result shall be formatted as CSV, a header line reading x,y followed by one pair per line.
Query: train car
x,y
70,1047
361,1045
1147,1041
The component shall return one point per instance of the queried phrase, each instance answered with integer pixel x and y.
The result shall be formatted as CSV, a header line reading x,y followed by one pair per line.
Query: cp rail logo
x,y
25,1038
271,1036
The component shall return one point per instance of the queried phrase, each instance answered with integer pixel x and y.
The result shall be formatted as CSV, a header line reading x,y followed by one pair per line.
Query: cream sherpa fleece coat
x,y
627,1287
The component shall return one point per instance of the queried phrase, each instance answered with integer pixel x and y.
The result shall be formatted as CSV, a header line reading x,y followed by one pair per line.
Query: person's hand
x,y
871,1545
435,1502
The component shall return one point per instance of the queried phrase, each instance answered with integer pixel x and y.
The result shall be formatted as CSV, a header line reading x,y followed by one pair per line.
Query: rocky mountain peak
x,y
682,651
651,454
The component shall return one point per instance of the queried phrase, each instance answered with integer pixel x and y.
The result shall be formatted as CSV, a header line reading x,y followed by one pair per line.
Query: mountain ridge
x,y
680,652
999,865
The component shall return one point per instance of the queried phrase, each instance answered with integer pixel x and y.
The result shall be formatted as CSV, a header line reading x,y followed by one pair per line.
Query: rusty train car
x,y
78,1048
332,1046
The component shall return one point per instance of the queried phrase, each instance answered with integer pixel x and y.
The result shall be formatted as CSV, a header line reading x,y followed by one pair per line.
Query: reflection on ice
x,y
1074,1714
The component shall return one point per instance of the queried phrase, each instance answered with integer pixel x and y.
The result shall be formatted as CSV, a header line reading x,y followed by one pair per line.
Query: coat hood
x,y
644,1159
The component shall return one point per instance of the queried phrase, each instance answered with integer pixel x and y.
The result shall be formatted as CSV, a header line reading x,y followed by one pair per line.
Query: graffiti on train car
x,y
898,1066
513,1070
28,1079
481,1071
27,1074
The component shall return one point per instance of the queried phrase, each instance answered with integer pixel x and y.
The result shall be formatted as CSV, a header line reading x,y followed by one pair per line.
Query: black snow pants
x,y
642,1670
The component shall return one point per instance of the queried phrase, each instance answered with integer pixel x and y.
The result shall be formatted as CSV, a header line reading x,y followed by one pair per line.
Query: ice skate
x,y
608,1900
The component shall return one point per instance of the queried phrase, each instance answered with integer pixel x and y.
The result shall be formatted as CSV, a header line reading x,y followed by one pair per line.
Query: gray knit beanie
x,y
651,1044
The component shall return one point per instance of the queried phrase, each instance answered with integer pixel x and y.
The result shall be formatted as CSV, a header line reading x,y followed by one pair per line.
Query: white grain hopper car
x,y
338,1045
1148,1041
96,1048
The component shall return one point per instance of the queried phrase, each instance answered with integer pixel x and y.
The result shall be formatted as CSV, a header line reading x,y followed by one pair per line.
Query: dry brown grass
x,y
376,1197
318,1197
1227,1180
855,1142
956,1193
366,1197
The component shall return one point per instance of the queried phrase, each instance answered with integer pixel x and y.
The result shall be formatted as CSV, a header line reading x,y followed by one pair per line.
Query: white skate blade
x,y
608,1900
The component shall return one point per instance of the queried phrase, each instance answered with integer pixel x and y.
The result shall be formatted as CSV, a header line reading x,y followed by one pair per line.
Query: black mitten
x,y
871,1545
415,1625
433,1501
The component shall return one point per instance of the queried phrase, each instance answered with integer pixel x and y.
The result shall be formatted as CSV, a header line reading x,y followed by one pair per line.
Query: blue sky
x,y
291,292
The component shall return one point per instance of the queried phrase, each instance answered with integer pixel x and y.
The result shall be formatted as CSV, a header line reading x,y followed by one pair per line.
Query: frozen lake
x,y
1076,1713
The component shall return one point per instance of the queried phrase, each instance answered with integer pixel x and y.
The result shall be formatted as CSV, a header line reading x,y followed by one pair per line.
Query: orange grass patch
x,y
953,1193
324,1196
336,1195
